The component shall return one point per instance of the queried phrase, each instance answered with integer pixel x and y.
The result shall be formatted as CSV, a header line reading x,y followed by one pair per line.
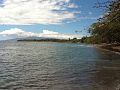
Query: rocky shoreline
x,y
114,47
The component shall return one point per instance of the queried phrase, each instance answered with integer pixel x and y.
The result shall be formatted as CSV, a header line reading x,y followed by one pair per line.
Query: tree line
x,y
107,28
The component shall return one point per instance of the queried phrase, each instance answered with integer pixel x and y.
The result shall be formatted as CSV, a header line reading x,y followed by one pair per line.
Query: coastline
x,y
114,47
50,40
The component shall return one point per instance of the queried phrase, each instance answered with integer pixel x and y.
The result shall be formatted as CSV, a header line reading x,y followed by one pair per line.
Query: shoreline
x,y
51,40
114,47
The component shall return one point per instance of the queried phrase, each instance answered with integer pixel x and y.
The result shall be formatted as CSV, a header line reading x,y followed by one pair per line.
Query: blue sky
x,y
77,15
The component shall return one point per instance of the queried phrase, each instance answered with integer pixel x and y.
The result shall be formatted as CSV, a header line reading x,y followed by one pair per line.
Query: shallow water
x,y
57,66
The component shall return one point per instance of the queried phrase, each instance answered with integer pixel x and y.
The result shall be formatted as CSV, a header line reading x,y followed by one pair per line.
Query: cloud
x,y
16,32
72,6
49,32
36,11
19,33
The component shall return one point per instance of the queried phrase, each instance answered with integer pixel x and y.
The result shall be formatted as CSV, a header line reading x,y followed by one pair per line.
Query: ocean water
x,y
57,66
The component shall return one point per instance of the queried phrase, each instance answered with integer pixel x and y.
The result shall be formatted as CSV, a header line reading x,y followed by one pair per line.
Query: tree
x,y
107,29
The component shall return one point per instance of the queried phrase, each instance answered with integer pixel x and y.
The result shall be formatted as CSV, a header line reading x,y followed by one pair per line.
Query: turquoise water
x,y
57,66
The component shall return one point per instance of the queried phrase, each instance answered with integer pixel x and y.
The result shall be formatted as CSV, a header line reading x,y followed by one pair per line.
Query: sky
x,y
56,17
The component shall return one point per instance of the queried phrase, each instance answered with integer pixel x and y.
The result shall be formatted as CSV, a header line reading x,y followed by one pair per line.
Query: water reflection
x,y
107,71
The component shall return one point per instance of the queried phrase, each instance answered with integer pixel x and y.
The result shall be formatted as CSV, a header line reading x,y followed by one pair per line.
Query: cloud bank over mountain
x,y
36,11
19,33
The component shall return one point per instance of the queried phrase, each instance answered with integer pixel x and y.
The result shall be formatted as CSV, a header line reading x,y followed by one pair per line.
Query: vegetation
x,y
74,40
107,28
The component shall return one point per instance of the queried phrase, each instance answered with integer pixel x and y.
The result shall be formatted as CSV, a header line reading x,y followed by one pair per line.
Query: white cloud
x,y
19,33
16,32
36,11
49,32
71,5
